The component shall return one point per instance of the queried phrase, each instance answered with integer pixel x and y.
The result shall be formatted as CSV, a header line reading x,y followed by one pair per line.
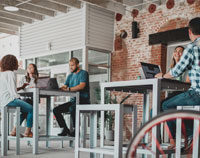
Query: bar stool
x,y
116,151
83,129
195,135
4,128
71,142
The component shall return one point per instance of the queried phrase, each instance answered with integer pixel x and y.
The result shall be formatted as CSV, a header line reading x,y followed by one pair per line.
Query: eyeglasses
x,y
180,51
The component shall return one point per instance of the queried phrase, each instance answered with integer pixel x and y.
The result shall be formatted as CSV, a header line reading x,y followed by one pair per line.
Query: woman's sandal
x,y
172,146
13,134
28,134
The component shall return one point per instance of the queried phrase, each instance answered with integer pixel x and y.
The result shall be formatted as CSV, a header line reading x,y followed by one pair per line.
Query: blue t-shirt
x,y
75,79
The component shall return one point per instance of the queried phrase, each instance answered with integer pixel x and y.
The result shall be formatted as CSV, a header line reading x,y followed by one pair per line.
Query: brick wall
x,y
125,60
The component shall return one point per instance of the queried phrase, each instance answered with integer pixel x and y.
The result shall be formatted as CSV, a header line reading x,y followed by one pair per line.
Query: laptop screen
x,y
150,70
53,84
47,83
42,82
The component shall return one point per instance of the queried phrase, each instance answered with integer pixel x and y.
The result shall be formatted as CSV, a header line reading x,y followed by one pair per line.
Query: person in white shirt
x,y
8,91
30,80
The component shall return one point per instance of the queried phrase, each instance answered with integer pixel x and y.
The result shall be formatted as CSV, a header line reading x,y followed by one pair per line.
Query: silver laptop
x,y
47,83
148,70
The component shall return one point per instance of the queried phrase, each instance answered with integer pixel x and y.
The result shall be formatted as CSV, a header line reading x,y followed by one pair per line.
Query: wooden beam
x,y
137,4
109,5
131,2
48,5
3,30
121,1
9,27
15,17
140,4
11,22
170,36
37,10
24,14
29,7
69,3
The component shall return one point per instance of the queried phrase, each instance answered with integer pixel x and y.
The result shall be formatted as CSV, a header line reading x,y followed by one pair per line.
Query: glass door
x,y
99,71
60,73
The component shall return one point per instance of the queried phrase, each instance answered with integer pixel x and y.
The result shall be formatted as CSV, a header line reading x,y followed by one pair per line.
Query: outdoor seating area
x,y
100,78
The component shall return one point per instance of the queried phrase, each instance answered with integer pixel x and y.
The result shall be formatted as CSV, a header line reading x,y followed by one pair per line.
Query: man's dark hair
x,y
194,26
9,63
75,60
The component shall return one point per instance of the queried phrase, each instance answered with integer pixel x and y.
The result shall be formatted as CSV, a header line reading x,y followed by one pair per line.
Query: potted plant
x,y
109,118
109,115
109,133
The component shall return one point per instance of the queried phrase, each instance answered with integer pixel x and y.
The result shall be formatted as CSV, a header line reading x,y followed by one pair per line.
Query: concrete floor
x,y
54,151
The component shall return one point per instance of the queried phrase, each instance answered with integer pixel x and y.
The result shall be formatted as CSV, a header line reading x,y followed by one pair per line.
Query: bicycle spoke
x,y
157,144
168,131
187,117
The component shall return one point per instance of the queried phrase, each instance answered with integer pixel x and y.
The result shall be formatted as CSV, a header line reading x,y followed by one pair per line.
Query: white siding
x,y
64,32
76,29
100,28
9,45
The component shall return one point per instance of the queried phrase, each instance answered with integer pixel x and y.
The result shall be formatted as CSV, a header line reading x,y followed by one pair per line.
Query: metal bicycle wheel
x,y
138,144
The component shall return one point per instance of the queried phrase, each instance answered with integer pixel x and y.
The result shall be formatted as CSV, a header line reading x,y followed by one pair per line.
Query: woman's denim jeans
x,y
188,98
25,108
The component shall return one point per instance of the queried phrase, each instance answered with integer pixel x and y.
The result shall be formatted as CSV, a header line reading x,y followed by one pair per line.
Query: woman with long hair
x,y
30,80
178,52
8,91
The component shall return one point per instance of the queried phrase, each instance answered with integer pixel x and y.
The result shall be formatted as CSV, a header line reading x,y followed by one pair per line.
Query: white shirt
x,y
31,83
8,89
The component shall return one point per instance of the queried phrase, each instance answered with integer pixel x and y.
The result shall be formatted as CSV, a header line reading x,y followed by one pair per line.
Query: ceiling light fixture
x,y
14,8
11,8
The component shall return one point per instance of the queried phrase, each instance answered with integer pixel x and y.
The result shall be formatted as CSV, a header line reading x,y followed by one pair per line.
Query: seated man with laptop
x,y
78,80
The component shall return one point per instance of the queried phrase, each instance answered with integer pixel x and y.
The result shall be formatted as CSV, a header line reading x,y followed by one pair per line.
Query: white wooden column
x,y
85,37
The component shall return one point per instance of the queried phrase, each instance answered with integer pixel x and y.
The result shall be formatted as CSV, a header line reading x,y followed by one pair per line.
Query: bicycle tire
x,y
162,117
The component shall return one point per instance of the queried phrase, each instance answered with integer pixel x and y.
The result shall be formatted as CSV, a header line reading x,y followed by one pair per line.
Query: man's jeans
x,y
188,98
24,108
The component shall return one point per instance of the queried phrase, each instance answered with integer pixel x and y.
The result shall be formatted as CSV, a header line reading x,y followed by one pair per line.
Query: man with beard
x,y
77,81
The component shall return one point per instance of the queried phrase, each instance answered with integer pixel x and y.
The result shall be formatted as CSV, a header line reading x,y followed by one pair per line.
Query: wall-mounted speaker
x,y
135,29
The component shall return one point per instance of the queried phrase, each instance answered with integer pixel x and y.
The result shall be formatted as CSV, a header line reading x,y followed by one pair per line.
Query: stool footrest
x,y
4,129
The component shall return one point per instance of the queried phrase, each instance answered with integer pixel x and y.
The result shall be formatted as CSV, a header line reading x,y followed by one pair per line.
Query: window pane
x,y
97,57
98,62
95,70
28,61
77,54
44,73
51,60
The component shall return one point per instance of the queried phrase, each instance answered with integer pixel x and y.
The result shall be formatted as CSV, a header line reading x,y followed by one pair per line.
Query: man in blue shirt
x,y
190,60
78,80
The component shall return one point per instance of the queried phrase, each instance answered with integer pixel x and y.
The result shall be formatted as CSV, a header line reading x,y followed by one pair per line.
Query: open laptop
x,y
149,70
47,83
